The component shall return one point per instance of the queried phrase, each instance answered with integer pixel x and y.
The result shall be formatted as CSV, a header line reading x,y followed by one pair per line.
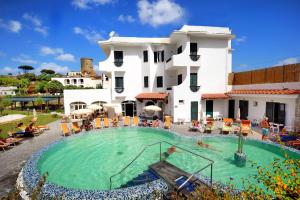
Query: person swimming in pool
x,y
202,144
170,150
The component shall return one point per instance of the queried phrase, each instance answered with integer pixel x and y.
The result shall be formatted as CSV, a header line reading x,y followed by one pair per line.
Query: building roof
x,y
214,96
152,96
266,91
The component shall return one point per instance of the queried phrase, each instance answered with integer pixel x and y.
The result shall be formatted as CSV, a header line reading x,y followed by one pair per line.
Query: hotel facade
x,y
189,74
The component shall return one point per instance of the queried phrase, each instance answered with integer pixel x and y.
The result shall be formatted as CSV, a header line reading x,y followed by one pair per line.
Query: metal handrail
x,y
135,159
147,146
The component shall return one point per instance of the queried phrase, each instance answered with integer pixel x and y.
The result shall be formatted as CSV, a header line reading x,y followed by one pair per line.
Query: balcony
x,y
119,89
118,62
194,56
194,88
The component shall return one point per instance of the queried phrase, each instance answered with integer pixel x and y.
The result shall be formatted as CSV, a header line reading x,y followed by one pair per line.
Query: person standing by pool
x,y
265,128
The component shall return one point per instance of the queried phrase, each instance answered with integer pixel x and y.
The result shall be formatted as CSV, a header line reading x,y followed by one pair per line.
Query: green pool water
x,y
88,161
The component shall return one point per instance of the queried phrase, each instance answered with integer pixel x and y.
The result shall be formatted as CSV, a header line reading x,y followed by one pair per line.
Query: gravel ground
x,y
11,161
11,117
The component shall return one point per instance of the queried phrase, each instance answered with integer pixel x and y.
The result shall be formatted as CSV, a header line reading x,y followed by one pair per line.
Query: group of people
x,y
155,123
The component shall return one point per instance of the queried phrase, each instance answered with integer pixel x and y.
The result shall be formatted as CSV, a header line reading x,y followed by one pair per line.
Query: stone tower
x,y
87,68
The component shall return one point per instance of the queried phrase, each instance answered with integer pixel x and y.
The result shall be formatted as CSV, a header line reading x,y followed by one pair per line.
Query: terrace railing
x,y
152,158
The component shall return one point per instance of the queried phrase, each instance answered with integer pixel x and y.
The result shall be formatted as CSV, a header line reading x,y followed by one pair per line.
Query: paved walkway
x,y
12,117
12,161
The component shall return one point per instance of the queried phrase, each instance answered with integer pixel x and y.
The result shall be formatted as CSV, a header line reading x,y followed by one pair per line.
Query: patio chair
x,y
274,127
227,125
105,122
98,123
195,126
75,127
167,123
135,121
246,127
126,121
65,129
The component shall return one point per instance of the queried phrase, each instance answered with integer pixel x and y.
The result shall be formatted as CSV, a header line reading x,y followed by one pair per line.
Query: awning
x,y
152,96
266,91
214,96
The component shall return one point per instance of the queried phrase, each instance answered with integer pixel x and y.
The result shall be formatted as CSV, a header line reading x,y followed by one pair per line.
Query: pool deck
x,y
11,161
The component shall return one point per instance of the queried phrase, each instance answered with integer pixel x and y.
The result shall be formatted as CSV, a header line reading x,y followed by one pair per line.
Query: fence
x,y
279,74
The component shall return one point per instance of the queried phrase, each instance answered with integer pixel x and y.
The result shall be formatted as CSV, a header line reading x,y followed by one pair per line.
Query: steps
x,y
145,177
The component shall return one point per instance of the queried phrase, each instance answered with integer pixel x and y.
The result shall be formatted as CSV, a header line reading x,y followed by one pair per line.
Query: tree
x,y
41,87
47,71
39,102
55,87
26,68
4,102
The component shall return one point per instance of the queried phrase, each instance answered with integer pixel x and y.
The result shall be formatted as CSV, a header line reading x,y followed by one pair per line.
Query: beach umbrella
x,y
94,107
238,116
82,112
152,108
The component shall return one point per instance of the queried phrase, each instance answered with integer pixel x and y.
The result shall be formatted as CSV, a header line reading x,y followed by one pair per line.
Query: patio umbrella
x,y
94,107
152,108
34,115
82,112
238,116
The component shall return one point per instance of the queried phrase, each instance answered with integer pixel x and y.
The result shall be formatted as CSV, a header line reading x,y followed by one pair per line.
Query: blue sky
x,y
55,34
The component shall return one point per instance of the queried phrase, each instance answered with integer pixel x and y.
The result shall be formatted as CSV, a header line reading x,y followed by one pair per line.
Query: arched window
x,y
99,103
77,105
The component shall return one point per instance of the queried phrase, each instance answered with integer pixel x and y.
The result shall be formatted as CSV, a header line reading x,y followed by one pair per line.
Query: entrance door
x,y
210,108
194,110
244,105
231,108
275,112
129,109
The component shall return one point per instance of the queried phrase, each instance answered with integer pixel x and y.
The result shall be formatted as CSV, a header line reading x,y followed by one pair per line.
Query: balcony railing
x,y
118,62
194,88
194,56
119,89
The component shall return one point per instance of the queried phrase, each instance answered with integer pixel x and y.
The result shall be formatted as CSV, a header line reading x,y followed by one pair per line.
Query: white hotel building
x,y
185,74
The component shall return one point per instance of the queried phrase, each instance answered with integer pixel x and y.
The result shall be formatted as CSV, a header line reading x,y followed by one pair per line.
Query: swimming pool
x,y
87,161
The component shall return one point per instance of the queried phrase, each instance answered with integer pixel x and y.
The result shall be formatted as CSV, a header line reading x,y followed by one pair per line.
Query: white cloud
x,y
240,40
160,12
87,4
126,18
51,65
243,65
37,23
66,57
91,35
288,61
11,25
24,59
7,70
45,50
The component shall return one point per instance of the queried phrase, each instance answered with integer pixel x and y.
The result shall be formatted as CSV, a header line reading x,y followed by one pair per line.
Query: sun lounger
x,y
167,123
65,129
294,143
227,125
98,123
209,125
106,122
75,127
12,140
4,145
126,121
246,127
135,121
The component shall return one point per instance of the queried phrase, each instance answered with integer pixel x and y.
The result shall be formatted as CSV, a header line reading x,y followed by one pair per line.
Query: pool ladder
x,y
160,158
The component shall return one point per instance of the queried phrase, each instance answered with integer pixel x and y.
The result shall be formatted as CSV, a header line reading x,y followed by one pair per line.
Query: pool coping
x,y
30,175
